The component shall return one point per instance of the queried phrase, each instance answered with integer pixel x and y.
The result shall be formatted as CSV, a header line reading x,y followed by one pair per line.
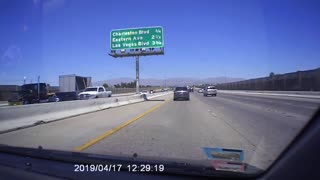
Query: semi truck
x,y
30,93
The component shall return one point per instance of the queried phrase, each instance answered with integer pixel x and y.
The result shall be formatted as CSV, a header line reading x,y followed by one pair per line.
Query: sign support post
x,y
137,75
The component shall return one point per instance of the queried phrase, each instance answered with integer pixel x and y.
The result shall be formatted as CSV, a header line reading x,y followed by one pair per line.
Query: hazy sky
x,y
235,38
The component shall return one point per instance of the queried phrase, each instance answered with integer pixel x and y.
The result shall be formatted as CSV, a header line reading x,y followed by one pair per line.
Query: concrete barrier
x,y
159,95
16,117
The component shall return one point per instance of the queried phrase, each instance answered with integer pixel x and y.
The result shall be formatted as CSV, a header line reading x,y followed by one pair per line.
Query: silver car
x,y
181,93
210,90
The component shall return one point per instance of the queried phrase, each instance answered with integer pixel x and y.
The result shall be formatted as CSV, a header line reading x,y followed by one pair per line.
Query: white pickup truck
x,y
94,92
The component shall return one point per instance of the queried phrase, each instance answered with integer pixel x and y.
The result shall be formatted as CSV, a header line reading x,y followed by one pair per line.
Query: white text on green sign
x,y
149,37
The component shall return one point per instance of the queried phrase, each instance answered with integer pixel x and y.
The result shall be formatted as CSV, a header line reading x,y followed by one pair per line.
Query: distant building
x,y
7,90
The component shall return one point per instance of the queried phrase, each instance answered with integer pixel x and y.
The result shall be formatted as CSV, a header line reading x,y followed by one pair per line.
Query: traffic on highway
x,y
228,94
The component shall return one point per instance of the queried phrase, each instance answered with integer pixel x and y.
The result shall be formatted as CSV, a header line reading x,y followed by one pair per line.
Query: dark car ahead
x,y
181,93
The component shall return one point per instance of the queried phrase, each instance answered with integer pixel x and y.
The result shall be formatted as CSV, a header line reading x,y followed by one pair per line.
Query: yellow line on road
x,y
112,131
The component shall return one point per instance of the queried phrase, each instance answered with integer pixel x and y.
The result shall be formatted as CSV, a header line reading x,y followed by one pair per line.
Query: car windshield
x,y
91,89
249,71
181,89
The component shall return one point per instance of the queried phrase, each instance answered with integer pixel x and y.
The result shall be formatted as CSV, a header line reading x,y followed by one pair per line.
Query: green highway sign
x,y
136,38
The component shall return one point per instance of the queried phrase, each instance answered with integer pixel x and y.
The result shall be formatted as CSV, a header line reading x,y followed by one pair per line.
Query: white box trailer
x,y
71,85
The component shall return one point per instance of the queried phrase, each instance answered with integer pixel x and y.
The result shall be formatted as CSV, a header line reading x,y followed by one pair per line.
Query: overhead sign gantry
x,y
135,42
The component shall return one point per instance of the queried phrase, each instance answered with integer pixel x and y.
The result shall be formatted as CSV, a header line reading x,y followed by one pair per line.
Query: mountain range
x,y
183,81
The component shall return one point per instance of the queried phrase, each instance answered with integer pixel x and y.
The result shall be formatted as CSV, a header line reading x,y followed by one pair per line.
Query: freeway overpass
x,y
261,124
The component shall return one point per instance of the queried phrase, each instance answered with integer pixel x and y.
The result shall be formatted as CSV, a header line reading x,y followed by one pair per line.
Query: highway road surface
x,y
260,125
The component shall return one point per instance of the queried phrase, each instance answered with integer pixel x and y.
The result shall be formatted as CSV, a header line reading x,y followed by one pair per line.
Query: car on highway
x,y
53,98
210,90
200,91
181,93
144,92
94,92
67,96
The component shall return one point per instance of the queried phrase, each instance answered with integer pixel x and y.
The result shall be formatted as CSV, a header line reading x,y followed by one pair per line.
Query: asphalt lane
x,y
180,129
261,126
268,123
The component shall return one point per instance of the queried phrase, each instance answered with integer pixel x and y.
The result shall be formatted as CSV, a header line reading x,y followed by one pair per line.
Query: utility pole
x,y
137,74
39,88
165,80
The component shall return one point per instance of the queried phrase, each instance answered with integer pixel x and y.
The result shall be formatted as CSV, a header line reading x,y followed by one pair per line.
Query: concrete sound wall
x,y
296,81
